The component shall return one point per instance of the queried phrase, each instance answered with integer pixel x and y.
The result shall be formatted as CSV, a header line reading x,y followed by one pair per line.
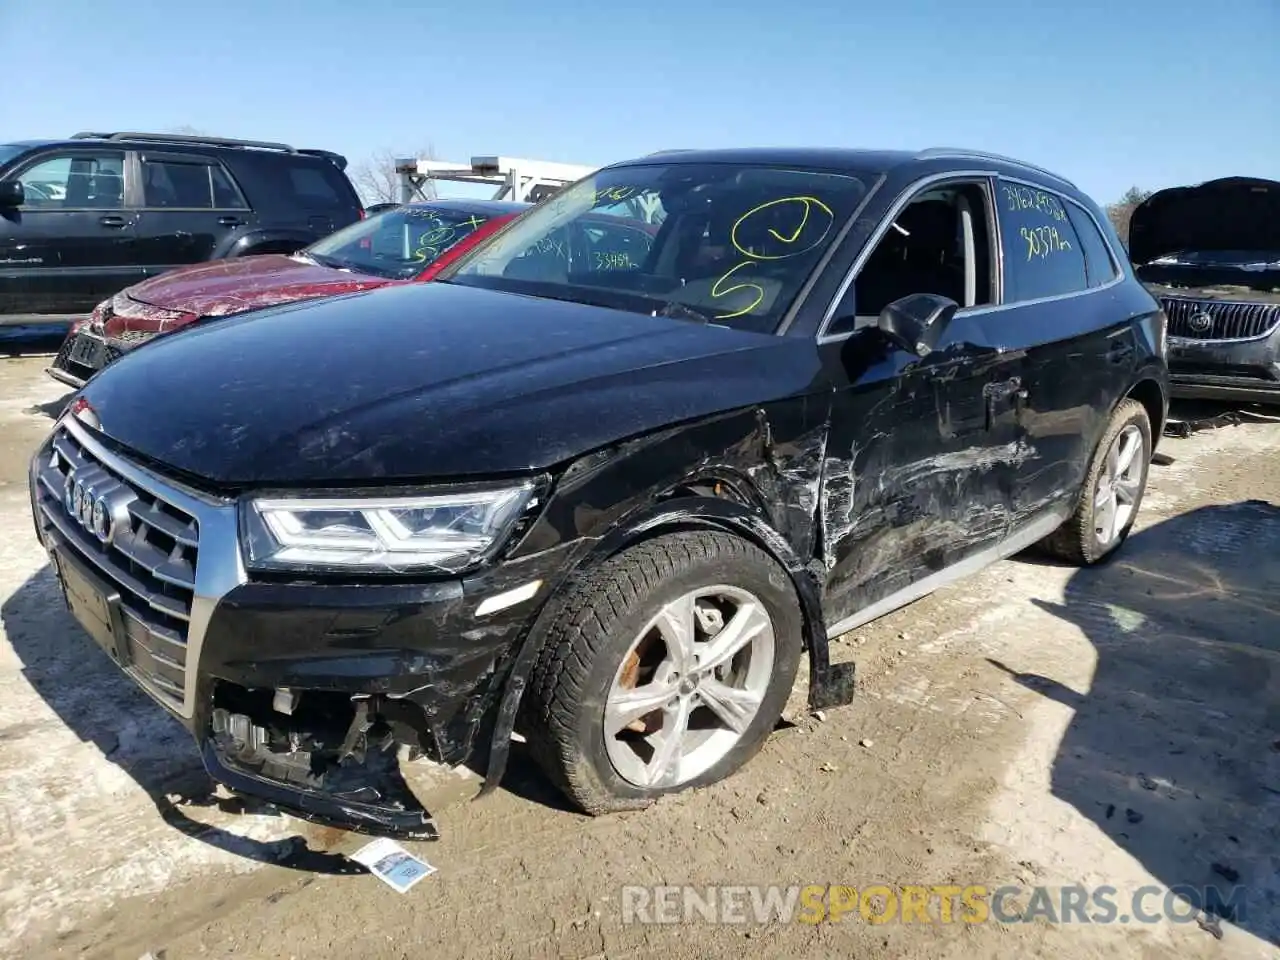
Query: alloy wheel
x,y
1119,486
689,686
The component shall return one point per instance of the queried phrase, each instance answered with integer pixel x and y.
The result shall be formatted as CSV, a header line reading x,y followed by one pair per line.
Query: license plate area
x,y
94,603
88,350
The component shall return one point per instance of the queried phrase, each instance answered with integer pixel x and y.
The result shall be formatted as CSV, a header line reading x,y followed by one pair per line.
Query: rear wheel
x,y
1112,491
667,669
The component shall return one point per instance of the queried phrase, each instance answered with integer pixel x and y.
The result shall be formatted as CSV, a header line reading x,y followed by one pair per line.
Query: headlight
x,y
443,532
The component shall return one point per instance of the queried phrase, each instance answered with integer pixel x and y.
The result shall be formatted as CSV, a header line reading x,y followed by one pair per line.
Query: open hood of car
x,y
1230,214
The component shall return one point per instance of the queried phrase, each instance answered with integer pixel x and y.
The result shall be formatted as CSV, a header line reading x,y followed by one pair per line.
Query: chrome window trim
x,y
219,564
916,187
961,153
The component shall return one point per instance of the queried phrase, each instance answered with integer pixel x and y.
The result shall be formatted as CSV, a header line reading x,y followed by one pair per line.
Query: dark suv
x,y
605,497
85,217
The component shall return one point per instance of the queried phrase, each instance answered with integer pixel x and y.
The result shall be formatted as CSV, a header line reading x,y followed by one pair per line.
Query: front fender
x,y
830,685
709,513
772,461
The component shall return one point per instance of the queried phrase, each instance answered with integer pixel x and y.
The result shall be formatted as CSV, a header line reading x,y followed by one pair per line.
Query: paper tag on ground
x,y
393,864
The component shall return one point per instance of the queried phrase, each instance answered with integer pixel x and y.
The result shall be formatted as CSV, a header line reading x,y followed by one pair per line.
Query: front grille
x,y
1227,320
149,557
112,351
63,359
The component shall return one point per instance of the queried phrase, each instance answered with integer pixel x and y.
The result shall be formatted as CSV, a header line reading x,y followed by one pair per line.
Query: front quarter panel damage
x,y
755,472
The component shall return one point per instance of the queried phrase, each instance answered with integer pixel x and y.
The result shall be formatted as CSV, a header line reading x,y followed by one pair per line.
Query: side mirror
x,y
12,194
916,322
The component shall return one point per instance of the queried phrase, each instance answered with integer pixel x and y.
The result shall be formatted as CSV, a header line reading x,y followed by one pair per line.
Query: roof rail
x,y
185,138
934,152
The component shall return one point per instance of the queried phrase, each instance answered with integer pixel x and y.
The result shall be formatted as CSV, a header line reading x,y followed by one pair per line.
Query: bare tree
x,y
377,180
1121,211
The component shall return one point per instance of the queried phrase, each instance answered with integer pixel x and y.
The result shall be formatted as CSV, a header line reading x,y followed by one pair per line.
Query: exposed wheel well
x,y
730,492
1149,394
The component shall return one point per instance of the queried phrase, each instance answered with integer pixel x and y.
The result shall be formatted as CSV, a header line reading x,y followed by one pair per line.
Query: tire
x,y
605,619
1078,541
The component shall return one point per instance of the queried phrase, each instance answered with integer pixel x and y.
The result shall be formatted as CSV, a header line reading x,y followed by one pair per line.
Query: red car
x,y
409,243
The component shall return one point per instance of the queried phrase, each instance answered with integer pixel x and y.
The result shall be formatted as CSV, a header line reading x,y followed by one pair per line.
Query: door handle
x,y
231,221
114,222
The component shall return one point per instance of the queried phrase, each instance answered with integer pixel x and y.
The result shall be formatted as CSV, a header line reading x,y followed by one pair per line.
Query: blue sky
x,y
1109,92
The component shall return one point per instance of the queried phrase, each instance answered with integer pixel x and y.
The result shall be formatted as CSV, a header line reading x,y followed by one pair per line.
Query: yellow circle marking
x,y
808,203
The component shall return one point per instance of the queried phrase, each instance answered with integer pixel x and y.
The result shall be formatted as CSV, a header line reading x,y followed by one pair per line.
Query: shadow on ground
x,y
1174,751
101,705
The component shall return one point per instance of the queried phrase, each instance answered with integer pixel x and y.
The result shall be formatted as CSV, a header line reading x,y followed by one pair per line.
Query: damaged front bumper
x,y
82,354
307,695
240,755
315,696
319,693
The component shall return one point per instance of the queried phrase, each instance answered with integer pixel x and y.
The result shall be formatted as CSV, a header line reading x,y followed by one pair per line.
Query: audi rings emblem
x,y
99,513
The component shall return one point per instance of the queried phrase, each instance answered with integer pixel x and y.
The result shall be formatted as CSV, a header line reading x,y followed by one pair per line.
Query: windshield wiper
x,y
326,262
678,310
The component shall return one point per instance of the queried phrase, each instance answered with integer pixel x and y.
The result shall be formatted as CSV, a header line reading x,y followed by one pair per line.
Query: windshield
x,y
726,243
9,150
398,243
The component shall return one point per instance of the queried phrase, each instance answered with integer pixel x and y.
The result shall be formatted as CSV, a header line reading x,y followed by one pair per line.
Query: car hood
x,y
1234,213
246,283
425,381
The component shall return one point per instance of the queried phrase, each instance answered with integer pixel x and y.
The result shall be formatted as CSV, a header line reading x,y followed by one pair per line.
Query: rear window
x,y
319,185
1097,256
190,185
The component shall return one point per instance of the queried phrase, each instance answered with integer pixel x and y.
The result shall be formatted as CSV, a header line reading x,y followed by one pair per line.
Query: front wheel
x,y
666,669
1112,491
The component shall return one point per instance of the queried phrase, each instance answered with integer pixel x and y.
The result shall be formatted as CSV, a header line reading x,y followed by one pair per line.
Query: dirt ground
x,y
1032,726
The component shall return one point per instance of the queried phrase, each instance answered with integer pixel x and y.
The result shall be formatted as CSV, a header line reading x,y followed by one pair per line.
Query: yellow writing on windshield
x,y
614,194
717,292
549,246
797,223
442,235
437,236
774,230
613,260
